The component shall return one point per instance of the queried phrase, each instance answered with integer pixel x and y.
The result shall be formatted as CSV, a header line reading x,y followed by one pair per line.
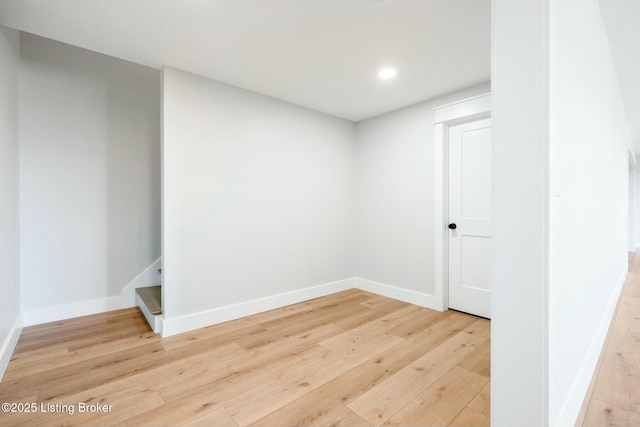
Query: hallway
x,y
614,395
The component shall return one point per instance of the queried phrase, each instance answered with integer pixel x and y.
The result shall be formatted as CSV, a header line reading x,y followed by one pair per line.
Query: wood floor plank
x,y
631,287
442,401
375,328
420,344
54,334
76,323
321,362
619,380
482,402
18,418
619,372
115,334
271,337
423,320
38,353
337,307
479,361
220,387
180,374
469,417
120,404
317,406
381,402
481,327
343,417
251,370
123,364
613,397
217,417
30,366
239,378
300,322
259,402
374,301
83,375
361,317
603,414
175,413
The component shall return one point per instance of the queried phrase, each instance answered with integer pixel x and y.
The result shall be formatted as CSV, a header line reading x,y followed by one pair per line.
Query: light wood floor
x,y
614,396
350,359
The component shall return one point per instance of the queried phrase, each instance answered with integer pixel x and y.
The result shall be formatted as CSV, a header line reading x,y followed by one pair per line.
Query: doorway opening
x,y
462,223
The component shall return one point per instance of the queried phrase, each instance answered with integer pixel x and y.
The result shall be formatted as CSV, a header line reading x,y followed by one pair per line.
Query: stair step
x,y
152,298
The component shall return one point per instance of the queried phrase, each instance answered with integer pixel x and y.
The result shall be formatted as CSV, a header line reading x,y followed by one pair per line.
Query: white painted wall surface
x,y
588,217
258,196
631,220
9,187
90,173
637,209
519,318
395,195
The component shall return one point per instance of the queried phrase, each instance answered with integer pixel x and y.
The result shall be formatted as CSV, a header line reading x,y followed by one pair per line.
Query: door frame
x,y
445,116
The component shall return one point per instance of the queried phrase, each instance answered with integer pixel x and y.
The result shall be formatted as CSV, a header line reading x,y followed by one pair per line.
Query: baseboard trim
x,y
177,325
573,403
9,344
406,295
148,277
126,299
71,310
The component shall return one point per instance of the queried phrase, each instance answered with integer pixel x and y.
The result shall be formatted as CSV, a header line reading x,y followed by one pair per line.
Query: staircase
x,y
149,300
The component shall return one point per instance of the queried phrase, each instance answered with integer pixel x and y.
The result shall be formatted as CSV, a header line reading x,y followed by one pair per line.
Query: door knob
x,y
453,226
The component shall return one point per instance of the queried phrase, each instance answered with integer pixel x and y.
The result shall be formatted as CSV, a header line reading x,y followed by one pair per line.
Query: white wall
x,y
631,220
588,218
518,307
395,194
637,209
9,206
560,206
90,173
258,196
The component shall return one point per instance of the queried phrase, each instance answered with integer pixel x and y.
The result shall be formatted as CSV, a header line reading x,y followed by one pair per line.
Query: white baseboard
x,y
148,277
68,311
9,344
575,399
176,325
127,299
190,322
406,295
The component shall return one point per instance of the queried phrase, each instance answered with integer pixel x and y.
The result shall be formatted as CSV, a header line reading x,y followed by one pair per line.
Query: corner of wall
x,y
406,295
177,325
84,308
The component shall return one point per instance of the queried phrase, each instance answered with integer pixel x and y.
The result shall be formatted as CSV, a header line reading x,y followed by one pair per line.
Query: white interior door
x,y
470,217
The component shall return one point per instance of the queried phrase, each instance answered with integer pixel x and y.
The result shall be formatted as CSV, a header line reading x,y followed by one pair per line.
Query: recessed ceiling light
x,y
387,73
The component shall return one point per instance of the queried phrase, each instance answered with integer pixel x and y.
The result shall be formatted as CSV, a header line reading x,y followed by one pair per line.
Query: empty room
x,y
319,213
